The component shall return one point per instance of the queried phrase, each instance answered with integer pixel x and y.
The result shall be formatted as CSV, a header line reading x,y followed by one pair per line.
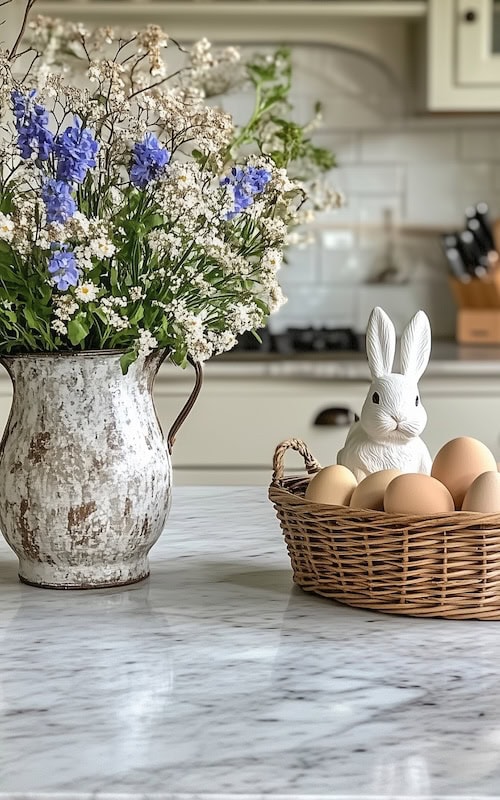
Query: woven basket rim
x,y
313,507
280,480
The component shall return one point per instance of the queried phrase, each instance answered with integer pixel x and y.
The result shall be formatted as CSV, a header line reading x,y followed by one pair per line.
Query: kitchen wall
x,y
405,176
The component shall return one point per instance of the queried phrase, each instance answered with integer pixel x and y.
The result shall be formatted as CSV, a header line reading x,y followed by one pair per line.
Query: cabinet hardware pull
x,y
470,16
337,416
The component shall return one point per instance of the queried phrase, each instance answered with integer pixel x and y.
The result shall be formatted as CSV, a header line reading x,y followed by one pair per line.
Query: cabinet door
x,y
237,424
463,55
462,408
478,42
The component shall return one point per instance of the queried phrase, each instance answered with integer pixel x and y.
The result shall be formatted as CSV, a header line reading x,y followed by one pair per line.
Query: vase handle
x,y
184,412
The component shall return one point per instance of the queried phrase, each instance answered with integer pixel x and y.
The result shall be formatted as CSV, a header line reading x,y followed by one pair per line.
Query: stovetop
x,y
294,341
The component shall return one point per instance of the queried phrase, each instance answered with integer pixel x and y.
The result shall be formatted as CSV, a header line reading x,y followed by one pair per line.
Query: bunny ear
x,y
380,343
416,345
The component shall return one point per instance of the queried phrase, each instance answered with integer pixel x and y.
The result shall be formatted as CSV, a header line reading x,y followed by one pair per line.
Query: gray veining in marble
x,y
216,678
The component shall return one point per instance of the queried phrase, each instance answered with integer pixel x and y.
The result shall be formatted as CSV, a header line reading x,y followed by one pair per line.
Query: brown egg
x,y
369,493
483,494
416,493
332,485
458,464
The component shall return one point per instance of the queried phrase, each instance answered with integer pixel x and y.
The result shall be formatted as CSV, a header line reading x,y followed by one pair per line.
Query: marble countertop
x,y
216,678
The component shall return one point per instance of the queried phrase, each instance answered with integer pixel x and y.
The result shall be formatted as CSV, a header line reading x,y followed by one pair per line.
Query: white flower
x,y
87,292
59,327
276,299
271,259
64,306
102,248
136,293
116,197
6,227
146,343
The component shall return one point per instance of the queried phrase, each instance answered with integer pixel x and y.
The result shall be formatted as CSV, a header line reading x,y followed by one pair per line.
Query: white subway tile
x,y
346,147
331,306
348,267
439,193
337,239
402,301
410,147
369,209
480,145
301,266
496,176
370,179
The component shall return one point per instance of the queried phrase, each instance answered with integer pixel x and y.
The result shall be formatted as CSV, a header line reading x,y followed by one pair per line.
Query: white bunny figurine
x,y
387,434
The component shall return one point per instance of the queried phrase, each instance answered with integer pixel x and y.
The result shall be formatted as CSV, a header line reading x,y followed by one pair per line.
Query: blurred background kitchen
x,y
411,100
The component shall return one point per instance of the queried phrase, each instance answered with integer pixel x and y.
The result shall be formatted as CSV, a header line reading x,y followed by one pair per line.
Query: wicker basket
x,y
442,565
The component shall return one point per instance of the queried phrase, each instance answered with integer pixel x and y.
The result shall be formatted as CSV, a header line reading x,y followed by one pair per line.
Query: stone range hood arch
x,y
381,30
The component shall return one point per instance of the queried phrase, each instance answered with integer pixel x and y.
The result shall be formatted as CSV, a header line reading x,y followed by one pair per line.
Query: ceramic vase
x,y
85,474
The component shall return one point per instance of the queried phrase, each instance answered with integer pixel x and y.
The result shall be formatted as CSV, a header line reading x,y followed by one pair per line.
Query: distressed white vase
x,y
85,474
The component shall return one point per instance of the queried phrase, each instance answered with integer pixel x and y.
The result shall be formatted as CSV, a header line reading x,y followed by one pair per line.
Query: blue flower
x,y
59,204
246,183
148,161
31,121
76,150
20,102
62,267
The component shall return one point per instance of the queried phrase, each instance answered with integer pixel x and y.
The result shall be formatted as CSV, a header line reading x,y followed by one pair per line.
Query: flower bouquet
x,y
134,214
137,220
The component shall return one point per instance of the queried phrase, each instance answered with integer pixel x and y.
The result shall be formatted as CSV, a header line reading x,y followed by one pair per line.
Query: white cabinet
x,y
232,432
463,55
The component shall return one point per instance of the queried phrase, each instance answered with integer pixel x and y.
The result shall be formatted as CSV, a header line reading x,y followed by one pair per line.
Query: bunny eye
x,y
376,397
416,400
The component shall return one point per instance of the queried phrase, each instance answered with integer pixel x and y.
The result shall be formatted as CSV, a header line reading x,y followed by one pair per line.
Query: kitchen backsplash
x,y
404,176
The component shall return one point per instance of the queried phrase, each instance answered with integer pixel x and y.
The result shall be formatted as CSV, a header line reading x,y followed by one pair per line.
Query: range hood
x,y
379,29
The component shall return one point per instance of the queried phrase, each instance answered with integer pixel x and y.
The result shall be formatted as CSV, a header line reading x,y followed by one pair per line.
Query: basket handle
x,y
293,444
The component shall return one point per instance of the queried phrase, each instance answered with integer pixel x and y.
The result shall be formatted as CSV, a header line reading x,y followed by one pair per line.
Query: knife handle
x,y
483,241
456,265
482,214
475,263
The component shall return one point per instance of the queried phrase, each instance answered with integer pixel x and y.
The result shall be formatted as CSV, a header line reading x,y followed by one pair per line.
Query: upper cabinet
x,y
463,55
460,57
381,29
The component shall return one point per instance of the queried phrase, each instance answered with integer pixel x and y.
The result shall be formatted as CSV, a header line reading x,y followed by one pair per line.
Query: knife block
x,y
478,315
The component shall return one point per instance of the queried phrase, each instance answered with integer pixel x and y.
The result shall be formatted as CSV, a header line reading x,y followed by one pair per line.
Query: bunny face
x,y
392,411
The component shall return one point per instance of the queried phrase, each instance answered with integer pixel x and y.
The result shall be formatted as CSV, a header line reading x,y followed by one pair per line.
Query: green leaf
x,y
30,318
78,329
127,359
100,314
154,221
137,315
